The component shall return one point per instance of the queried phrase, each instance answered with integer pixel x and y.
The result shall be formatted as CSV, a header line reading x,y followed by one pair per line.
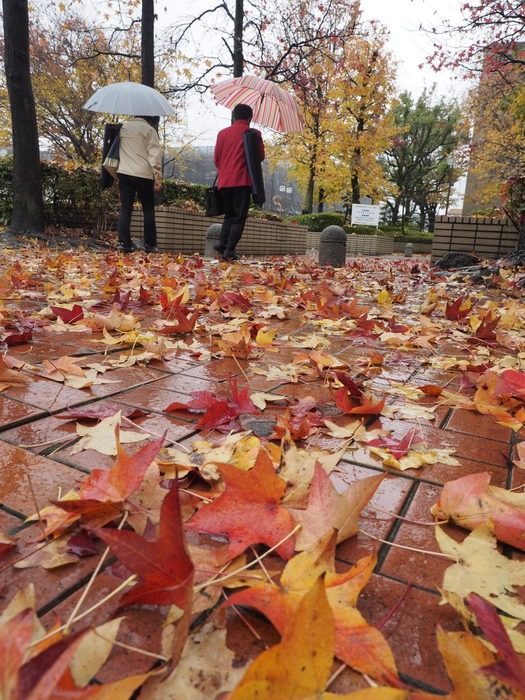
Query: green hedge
x,y
72,197
179,193
318,222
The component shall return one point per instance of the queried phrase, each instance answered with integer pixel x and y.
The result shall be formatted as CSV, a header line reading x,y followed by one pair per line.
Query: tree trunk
x,y
28,208
238,59
148,43
320,200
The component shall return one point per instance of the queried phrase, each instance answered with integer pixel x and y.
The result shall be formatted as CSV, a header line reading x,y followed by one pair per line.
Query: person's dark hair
x,y
242,112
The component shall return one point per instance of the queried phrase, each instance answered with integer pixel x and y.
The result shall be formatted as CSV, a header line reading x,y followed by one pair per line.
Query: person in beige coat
x,y
139,176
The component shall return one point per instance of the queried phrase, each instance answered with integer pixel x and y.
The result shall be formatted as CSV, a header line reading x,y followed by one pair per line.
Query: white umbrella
x,y
131,99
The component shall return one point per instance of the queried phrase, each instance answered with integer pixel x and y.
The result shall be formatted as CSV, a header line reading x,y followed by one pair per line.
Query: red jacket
x,y
229,155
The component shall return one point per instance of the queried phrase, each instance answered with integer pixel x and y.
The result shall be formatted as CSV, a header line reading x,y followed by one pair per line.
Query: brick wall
x,y
179,231
484,237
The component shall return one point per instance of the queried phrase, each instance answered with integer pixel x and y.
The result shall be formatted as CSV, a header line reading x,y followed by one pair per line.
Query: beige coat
x,y
140,150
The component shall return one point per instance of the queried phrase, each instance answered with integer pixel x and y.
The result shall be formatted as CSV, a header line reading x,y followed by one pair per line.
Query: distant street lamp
x,y
286,189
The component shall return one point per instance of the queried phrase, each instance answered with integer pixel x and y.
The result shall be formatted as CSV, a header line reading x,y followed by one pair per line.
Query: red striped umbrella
x,y
272,106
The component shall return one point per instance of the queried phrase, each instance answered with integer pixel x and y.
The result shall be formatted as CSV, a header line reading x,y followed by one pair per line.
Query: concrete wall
x,y
180,231
489,239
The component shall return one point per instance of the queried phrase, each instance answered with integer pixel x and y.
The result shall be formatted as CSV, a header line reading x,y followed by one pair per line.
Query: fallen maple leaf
x,y
299,666
102,495
163,565
509,668
69,315
327,509
206,668
249,510
471,501
465,658
105,437
357,643
481,569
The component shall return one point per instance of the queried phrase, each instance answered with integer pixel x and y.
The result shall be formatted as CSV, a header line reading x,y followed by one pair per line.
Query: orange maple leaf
x,y
103,493
357,643
249,510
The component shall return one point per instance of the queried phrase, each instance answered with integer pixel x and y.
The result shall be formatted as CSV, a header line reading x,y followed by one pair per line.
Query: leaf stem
x,y
410,549
213,581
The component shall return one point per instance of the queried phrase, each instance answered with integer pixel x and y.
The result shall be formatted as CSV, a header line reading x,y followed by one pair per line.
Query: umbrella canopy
x,y
272,106
130,99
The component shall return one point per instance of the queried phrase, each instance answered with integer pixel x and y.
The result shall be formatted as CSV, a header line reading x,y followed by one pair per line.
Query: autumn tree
x,y
365,126
487,30
488,41
417,162
28,208
63,80
343,85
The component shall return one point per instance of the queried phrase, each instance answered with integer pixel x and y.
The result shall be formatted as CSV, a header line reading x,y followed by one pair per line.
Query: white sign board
x,y
367,214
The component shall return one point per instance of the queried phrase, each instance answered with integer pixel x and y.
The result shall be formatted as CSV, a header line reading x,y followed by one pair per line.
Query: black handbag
x,y
110,155
213,201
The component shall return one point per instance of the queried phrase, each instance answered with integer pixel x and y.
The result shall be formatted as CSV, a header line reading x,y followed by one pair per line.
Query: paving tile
x,y
47,395
50,584
141,628
14,412
409,619
378,518
478,426
157,400
410,557
29,481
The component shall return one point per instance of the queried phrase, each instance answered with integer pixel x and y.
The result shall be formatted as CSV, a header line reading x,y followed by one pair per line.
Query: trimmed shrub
x,y
318,221
186,195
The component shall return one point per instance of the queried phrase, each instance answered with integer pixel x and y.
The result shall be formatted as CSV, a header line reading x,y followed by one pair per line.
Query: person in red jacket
x,y
234,182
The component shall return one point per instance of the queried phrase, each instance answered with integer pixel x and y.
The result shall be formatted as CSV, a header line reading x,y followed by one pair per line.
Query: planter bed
x,y
180,231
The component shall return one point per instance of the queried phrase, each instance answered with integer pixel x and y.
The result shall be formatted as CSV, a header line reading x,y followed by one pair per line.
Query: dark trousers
x,y
131,187
236,202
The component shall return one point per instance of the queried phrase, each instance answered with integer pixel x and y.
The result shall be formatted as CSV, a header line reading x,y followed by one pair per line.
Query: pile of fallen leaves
x,y
245,516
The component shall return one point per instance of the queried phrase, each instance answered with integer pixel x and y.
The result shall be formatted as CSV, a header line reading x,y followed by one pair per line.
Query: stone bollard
x,y
332,247
409,250
213,235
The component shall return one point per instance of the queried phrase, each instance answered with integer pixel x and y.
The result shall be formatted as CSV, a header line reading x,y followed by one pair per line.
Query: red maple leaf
x,y
228,300
485,330
511,382
349,384
453,310
346,397
400,446
509,667
121,299
102,494
69,315
249,510
163,565
186,321
217,411
17,336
